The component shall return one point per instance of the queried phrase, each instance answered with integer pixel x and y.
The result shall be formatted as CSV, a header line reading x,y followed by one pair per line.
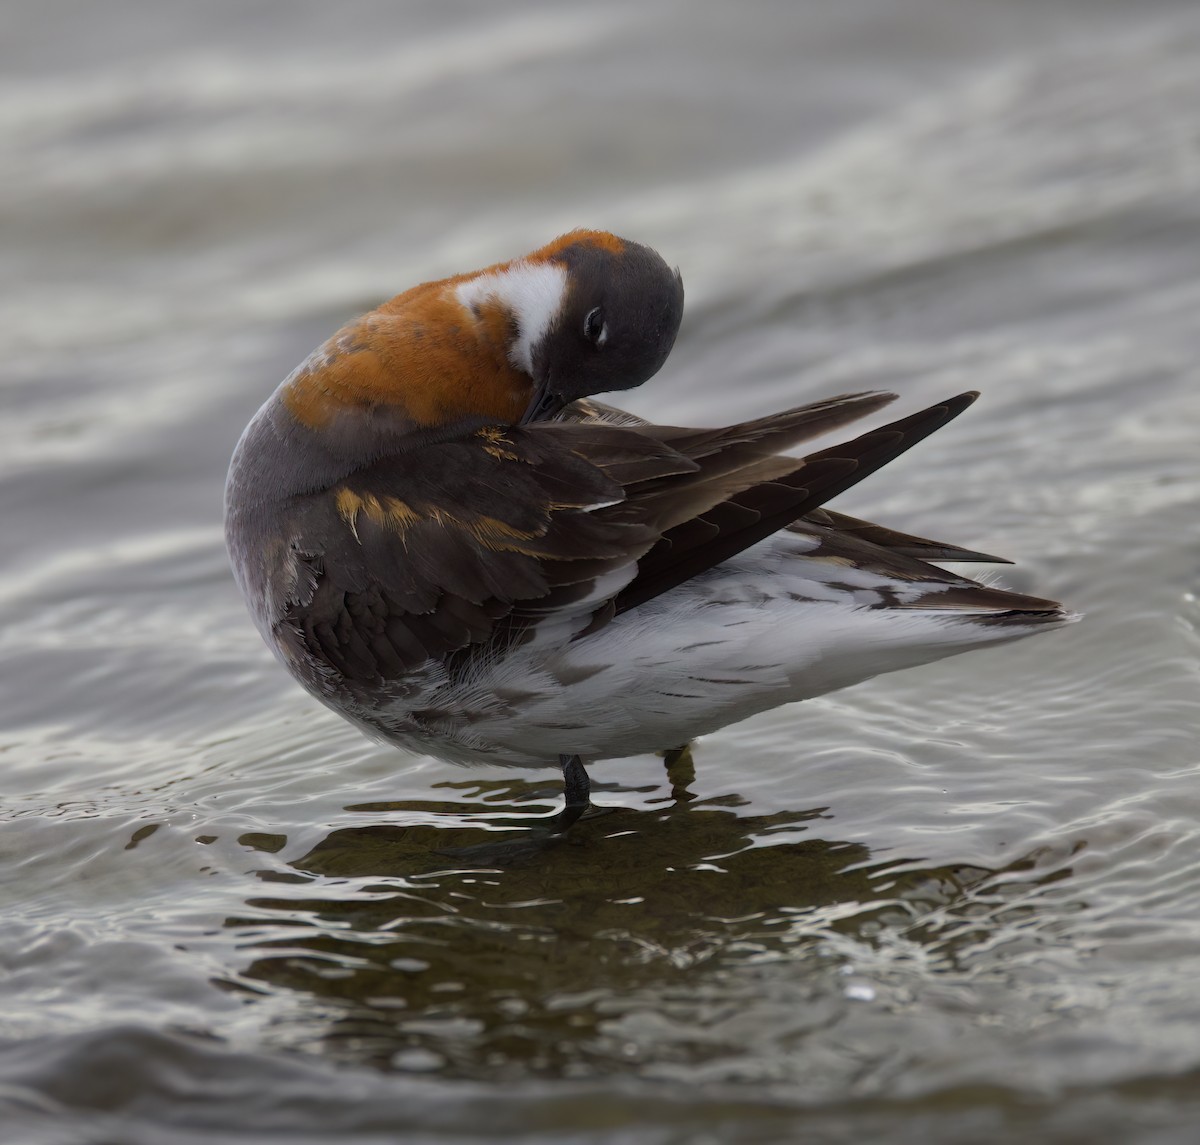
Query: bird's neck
x,y
426,357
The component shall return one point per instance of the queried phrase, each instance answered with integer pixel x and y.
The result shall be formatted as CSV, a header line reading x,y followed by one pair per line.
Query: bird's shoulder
x,y
423,354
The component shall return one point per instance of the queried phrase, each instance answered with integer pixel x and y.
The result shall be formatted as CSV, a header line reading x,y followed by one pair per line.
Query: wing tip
x,y
1054,616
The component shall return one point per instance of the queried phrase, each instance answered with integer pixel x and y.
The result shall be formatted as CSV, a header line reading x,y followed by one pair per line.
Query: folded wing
x,y
455,546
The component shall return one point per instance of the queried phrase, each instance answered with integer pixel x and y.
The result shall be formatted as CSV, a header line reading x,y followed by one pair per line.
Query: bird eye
x,y
595,329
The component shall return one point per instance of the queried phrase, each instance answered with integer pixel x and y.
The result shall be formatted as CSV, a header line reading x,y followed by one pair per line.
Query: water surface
x,y
957,904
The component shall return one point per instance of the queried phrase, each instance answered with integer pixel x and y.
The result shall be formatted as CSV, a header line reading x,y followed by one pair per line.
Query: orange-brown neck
x,y
423,355
435,354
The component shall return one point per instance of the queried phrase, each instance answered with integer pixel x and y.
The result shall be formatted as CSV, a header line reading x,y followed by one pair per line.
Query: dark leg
x,y
681,771
577,788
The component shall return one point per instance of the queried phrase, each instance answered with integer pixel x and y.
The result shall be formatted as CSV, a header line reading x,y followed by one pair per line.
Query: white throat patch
x,y
534,293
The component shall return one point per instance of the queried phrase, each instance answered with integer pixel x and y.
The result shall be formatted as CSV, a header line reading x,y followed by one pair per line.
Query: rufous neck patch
x,y
423,355
458,348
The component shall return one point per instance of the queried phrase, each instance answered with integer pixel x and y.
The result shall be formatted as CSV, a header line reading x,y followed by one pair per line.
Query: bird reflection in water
x,y
435,942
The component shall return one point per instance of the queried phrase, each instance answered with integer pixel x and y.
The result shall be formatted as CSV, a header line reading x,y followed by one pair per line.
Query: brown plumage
x,y
446,540
503,525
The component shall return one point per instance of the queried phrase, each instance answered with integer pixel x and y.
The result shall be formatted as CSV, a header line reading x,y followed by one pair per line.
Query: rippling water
x,y
956,904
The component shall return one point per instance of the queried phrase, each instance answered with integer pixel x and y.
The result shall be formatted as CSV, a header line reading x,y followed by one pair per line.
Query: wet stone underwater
x,y
959,903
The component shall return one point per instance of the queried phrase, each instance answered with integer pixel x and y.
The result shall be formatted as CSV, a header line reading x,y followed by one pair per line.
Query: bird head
x,y
514,342
606,319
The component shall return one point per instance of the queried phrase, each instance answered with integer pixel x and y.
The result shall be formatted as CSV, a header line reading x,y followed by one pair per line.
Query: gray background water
x,y
957,904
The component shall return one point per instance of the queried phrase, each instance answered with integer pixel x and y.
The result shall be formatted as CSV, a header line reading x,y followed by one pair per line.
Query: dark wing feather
x,y
754,514
893,540
945,590
906,544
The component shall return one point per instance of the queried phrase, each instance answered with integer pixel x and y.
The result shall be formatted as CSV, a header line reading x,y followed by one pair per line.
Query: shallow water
x,y
956,904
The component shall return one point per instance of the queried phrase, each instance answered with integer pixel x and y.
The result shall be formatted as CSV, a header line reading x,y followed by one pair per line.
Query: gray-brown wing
x,y
442,546
450,546
820,417
749,516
